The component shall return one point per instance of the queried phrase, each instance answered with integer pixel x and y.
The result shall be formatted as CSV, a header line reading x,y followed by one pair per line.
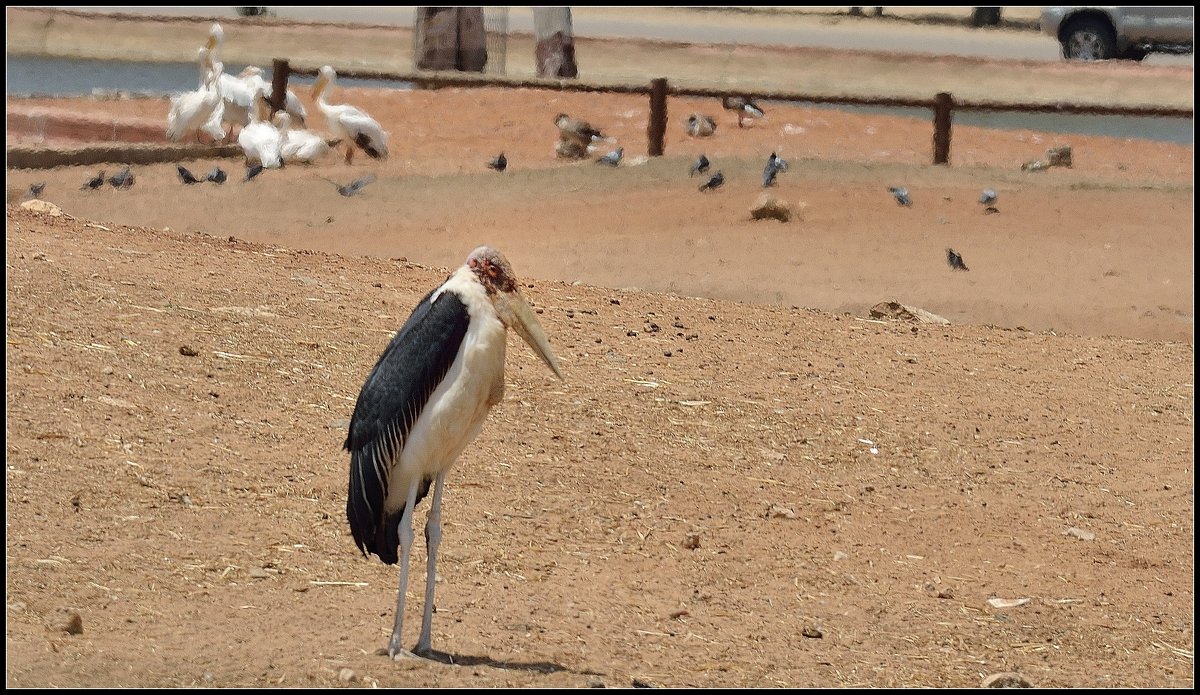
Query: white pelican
x,y
260,141
252,78
299,144
194,110
422,404
349,123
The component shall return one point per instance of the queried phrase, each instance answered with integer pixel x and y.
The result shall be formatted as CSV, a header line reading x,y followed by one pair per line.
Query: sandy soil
x,y
744,479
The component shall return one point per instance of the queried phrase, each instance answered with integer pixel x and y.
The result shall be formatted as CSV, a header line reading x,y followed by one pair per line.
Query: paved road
x,y
817,27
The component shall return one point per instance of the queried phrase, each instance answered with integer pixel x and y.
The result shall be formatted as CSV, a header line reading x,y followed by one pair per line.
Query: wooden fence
x,y
943,105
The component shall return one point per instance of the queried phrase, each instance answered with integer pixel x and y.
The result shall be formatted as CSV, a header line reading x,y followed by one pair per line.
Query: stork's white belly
x,y
455,413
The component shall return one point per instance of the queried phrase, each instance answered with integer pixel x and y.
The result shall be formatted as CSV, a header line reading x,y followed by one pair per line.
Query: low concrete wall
x,y
51,123
115,153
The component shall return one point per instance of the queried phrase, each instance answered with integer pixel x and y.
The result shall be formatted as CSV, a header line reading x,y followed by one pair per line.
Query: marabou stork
x,y
422,404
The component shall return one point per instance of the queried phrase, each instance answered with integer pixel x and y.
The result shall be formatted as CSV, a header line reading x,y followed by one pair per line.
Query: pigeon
x,y
774,165
901,195
769,173
500,163
612,158
988,201
185,175
217,175
745,108
715,182
122,179
252,171
95,182
955,261
353,188
35,190
699,126
701,166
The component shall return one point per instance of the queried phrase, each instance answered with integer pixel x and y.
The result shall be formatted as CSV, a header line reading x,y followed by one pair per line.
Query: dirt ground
x,y
744,480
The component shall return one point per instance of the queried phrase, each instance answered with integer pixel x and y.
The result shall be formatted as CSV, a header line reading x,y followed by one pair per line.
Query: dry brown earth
x,y
727,490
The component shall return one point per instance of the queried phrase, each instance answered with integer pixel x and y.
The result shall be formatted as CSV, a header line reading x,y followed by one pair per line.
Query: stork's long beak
x,y
514,307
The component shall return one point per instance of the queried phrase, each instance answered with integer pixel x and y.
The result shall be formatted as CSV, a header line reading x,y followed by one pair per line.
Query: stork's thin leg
x,y
406,542
433,537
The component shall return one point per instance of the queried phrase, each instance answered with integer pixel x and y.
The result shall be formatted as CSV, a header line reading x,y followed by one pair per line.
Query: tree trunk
x,y
555,52
451,38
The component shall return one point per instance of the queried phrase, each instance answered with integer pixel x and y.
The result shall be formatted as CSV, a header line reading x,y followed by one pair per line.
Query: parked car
x,y
1130,33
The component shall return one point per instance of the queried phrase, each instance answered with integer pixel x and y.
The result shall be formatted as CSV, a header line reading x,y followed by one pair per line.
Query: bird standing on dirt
x,y
217,175
500,163
95,182
699,125
988,200
354,187
578,130
744,107
185,175
252,171
351,124
35,190
122,179
613,158
955,261
774,165
423,403
700,167
901,196
716,181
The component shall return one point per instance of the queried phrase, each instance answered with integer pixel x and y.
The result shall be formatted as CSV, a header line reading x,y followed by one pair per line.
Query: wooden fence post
x,y
657,127
279,81
942,115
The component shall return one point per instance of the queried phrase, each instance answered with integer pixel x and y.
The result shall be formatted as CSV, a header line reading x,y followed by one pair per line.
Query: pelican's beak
x,y
211,43
517,313
318,86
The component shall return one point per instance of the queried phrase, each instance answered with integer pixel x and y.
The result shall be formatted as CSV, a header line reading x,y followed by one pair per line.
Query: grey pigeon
x,y
773,167
217,175
185,175
612,158
701,166
95,182
122,179
988,201
955,261
353,188
35,190
500,163
717,180
744,106
252,171
901,195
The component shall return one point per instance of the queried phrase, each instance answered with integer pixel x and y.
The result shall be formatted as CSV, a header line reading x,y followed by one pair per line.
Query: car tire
x,y
1089,38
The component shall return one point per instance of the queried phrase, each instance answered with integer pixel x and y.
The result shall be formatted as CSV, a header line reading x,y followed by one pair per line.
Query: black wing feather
x,y
363,141
392,397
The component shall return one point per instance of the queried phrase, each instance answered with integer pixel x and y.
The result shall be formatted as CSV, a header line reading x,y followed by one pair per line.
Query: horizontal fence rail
x,y
942,105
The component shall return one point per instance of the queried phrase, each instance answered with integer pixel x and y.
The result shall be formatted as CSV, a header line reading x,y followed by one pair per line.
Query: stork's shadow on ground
x,y
472,660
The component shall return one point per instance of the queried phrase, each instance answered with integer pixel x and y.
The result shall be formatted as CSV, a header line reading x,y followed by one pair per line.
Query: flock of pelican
x,y
223,101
